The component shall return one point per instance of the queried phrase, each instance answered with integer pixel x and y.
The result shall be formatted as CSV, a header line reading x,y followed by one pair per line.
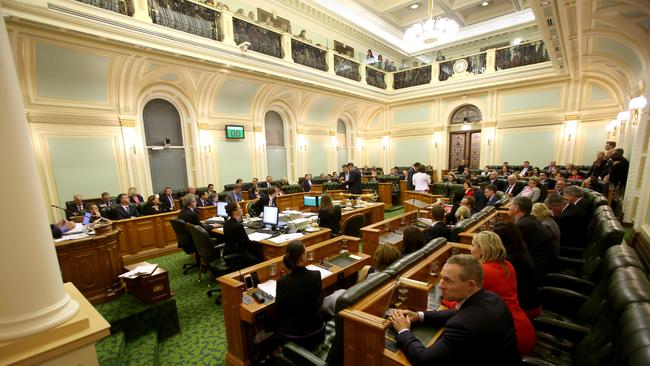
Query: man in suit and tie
x,y
167,200
106,203
526,170
559,187
439,229
124,210
235,196
354,180
254,184
512,189
306,183
552,165
409,178
543,179
495,182
267,199
491,195
211,189
268,183
536,236
76,207
202,201
571,221
479,331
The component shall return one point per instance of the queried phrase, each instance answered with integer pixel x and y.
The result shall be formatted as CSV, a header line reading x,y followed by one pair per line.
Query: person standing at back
x,y
354,181
409,178
421,180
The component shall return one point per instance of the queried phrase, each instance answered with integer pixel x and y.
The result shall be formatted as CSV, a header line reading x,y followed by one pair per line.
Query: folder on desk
x,y
323,272
417,203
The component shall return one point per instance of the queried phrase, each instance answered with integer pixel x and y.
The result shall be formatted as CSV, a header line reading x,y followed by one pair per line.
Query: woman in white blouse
x,y
421,180
531,190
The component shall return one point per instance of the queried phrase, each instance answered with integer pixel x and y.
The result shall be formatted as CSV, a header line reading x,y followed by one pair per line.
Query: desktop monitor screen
x,y
221,209
86,219
270,216
311,201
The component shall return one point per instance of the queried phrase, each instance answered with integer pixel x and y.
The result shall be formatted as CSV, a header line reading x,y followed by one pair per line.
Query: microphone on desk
x,y
60,208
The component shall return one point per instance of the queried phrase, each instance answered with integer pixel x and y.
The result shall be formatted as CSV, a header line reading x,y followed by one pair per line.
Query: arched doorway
x,y
165,147
276,151
342,139
465,145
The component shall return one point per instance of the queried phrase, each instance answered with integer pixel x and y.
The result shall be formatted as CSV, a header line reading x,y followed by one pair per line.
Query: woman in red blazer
x,y
499,277
468,188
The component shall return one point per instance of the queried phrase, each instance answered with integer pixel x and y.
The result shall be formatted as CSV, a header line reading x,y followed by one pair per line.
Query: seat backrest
x,y
250,207
460,227
183,236
353,224
202,243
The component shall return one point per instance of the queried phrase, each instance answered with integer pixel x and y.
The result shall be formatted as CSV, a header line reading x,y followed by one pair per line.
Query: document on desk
x,y
286,237
308,214
323,272
215,220
390,238
72,237
300,221
268,287
78,228
258,236
291,212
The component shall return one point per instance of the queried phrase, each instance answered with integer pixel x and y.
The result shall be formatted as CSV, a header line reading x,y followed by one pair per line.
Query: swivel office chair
x,y
186,243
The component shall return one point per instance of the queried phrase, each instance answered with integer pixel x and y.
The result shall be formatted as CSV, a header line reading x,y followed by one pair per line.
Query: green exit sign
x,y
234,132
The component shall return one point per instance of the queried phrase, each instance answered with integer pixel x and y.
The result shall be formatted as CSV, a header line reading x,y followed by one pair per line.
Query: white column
x,y
31,288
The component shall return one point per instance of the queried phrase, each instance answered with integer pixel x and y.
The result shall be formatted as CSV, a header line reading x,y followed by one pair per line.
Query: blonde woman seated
x,y
384,256
499,277
462,213
531,191
542,213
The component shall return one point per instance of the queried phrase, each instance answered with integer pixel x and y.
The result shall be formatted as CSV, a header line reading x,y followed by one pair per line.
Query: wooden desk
x,y
240,318
294,201
273,250
385,193
374,212
364,327
424,197
371,234
93,265
487,223
146,237
402,190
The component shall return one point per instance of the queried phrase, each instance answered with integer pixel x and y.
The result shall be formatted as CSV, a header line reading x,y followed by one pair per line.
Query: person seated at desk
x,y
491,195
278,189
124,210
236,238
202,201
134,196
268,183
306,183
413,239
532,190
61,228
499,276
213,198
297,301
439,229
167,200
266,200
76,207
254,187
329,215
462,213
235,195
211,189
467,185
152,207
106,202
480,331
95,213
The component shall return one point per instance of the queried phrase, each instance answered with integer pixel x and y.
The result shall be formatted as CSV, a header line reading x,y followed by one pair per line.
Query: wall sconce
x,y
335,141
302,142
361,144
260,140
129,139
636,105
436,139
570,129
385,141
206,140
612,128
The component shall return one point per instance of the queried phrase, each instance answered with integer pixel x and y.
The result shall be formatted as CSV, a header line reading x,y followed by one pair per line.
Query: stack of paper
x,y
143,270
258,236
72,237
286,237
268,287
323,272
308,214
291,212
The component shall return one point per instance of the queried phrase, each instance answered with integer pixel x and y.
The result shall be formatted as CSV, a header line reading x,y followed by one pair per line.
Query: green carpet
x,y
202,338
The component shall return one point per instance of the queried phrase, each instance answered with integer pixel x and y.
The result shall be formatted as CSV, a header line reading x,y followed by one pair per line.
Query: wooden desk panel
x,y
239,318
402,190
374,212
487,223
146,236
370,234
385,192
424,197
93,265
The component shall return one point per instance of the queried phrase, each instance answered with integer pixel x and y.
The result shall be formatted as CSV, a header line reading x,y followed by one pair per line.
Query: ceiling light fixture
x,y
432,29
414,6
516,41
485,3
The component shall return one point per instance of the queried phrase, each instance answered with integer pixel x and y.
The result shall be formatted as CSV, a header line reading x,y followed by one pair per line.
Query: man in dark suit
x,y
438,229
124,210
480,331
306,183
512,189
167,200
189,215
552,165
354,181
235,196
496,182
536,236
76,207
254,184
268,183
409,178
202,201
543,179
267,199
106,203
235,237
576,197
491,195
570,220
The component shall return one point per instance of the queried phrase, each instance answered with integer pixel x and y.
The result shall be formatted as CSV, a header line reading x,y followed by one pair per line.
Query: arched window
x,y
342,143
276,154
466,113
164,138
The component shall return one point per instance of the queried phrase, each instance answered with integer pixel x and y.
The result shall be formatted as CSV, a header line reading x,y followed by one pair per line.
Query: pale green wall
x,y
236,97
598,94
83,165
320,109
69,74
619,50
594,139
374,150
541,98
408,151
317,151
537,147
234,161
420,113
374,124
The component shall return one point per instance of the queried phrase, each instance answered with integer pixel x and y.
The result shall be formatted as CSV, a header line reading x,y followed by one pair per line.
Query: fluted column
x,y
31,288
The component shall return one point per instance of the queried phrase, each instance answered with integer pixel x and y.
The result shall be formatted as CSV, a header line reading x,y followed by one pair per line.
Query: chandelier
x,y
432,29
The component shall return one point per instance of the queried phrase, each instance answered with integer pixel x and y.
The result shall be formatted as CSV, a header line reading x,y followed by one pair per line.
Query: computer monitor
x,y
221,209
270,216
311,201
86,219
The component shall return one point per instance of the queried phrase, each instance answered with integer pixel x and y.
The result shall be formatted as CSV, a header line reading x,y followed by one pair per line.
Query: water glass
x,y
310,256
273,269
402,294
